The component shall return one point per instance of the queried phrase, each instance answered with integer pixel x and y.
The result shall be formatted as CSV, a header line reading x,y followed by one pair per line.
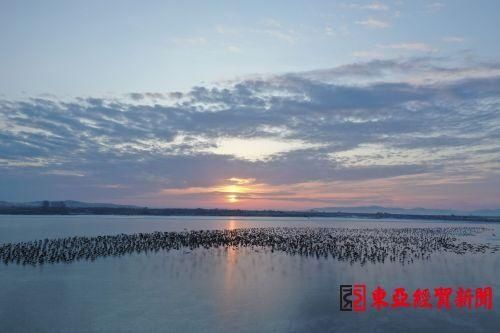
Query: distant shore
x,y
228,212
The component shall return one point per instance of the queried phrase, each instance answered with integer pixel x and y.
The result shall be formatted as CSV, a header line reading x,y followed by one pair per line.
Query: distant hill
x,y
486,212
410,211
67,203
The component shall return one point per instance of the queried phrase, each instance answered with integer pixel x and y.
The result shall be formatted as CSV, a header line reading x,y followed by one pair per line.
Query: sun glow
x,y
232,198
236,188
233,189
241,181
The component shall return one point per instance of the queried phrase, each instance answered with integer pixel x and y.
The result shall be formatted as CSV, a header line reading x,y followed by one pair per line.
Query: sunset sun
x,y
235,187
232,198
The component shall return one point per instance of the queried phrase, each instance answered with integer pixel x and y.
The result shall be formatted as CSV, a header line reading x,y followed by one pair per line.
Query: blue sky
x,y
98,47
261,104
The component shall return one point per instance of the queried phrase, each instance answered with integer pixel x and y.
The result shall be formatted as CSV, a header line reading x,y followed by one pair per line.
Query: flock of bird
x,y
402,245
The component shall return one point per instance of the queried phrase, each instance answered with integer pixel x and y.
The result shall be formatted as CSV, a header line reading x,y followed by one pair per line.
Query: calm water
x,y
226,291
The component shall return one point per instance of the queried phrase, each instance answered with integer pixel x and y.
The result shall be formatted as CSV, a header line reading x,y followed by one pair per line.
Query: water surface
x,y
218,290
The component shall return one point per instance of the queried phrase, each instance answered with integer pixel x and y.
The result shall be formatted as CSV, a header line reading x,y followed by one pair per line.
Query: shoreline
x,y
232,213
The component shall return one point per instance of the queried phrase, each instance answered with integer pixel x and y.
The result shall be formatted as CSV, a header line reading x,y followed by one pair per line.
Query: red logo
x,y
353,298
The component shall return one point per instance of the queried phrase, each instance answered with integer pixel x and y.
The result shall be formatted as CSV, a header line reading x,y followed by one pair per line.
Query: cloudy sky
x,y
255,104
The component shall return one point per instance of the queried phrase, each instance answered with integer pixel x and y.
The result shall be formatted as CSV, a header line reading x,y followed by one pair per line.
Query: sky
x,y
251,104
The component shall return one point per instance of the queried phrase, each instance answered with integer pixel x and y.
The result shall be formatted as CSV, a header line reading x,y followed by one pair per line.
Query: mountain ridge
x,y
67,203
412,211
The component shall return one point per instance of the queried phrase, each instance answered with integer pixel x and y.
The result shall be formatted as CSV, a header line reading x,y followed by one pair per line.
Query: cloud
x,y
288,36
256,148
273,28
191,41
271,23
329,31
341,30
377,6
435,6
419,47
241,181
360,124
367,54
374,23
69,173
233,49
226,30
453,39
